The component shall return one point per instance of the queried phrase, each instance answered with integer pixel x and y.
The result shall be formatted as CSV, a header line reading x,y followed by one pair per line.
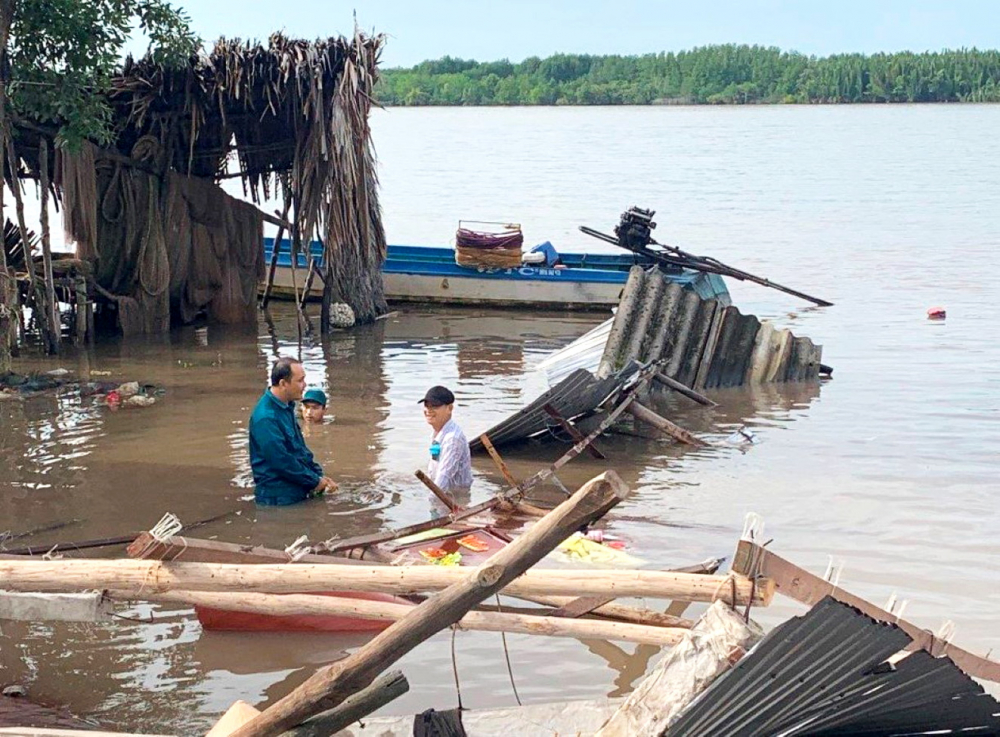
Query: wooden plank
x,y
191,549
333,684
511,480
573,431
797,583
440,493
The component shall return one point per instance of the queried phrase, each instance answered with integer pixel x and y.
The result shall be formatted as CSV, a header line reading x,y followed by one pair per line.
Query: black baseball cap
x,y
438,396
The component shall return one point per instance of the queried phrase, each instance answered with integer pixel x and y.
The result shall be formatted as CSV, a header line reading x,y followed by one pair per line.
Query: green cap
x,y
315,395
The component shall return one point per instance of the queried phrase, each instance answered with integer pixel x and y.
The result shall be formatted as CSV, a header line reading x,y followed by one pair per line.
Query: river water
x,y
890,467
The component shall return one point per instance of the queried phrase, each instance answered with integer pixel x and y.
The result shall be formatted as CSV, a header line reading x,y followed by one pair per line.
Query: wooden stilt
x,y
52,306
273,266
82,309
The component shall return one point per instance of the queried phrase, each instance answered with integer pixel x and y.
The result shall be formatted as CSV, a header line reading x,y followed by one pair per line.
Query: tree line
x,y
725,74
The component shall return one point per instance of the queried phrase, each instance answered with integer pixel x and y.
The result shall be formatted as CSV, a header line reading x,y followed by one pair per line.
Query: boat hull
x,y
225,620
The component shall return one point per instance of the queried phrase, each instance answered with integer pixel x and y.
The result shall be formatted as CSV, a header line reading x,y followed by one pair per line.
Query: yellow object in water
x,y
579,548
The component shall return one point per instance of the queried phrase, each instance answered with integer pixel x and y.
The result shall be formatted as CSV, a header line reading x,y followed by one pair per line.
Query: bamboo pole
x,y
648,416
157,577
52,307
331,685
528,624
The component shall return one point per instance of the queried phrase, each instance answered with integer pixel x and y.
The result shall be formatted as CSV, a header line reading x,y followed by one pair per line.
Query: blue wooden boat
x,y
423,274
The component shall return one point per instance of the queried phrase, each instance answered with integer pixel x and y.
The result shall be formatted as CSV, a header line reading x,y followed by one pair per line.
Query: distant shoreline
x,y
710,75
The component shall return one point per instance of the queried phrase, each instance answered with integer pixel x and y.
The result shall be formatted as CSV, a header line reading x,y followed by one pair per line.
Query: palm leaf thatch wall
x,y
290,119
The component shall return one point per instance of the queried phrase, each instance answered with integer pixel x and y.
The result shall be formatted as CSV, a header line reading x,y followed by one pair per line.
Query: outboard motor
x,y
635,229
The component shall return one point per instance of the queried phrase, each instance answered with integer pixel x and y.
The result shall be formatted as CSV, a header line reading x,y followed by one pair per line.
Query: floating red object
x,y
936,313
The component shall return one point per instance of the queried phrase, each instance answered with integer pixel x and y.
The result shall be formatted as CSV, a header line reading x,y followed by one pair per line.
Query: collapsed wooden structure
x,y
157,239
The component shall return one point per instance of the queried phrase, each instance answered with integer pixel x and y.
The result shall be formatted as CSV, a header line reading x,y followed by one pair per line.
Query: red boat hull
x,y
222,619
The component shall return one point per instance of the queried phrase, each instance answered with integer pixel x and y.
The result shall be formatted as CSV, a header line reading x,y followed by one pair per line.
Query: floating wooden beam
x,y
505,472
680,388
678,433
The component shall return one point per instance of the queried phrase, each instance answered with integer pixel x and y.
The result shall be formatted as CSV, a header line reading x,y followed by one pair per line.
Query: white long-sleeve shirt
x,y
452,471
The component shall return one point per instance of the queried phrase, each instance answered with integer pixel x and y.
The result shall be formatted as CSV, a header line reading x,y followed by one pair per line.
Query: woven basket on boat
x,y
494,250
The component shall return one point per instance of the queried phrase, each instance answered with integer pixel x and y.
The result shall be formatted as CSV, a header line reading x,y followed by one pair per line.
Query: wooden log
x,y
213,551
809,589
331,685
481,621
680,388
153,577
678,433
440,493
711,647
384,689
307,288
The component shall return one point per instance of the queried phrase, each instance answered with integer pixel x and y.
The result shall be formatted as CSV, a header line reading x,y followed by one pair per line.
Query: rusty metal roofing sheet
x,y
826,673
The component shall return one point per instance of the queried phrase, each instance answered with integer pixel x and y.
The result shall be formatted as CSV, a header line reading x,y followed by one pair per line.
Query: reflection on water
x,y
890,466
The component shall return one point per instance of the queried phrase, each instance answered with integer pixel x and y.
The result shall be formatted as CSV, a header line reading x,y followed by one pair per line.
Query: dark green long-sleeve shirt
x,y
284,471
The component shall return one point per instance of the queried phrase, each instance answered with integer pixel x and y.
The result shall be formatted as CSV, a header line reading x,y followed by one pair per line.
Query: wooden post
x,y
680,388
438,491
678,433
82,309
10,310
54,320
273,266
331,685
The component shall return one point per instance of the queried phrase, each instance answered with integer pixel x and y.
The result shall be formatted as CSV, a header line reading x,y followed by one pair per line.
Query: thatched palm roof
x,y
291,117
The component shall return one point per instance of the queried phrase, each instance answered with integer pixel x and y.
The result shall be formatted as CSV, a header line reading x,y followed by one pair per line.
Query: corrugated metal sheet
x,y
826,673
704,342
586,351
578,394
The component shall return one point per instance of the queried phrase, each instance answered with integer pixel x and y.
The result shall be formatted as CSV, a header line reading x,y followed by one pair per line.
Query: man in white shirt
x,y
451,464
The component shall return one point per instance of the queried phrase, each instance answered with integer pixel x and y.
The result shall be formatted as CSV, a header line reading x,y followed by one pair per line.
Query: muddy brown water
x,y
891,467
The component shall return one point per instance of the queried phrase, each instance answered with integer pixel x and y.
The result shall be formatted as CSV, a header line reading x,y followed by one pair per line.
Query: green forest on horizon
x,y
725,74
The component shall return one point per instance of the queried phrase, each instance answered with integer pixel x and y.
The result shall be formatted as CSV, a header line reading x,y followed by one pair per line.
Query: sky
x,y
516,29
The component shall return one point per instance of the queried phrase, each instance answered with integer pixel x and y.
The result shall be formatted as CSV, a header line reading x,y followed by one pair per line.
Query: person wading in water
x,y
284,471
451,464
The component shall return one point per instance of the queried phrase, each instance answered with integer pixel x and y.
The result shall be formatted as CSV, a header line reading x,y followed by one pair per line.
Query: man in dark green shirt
x,y
284,471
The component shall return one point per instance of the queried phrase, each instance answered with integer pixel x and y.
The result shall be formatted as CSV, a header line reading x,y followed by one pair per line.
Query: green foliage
x,y
63,55
728,74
